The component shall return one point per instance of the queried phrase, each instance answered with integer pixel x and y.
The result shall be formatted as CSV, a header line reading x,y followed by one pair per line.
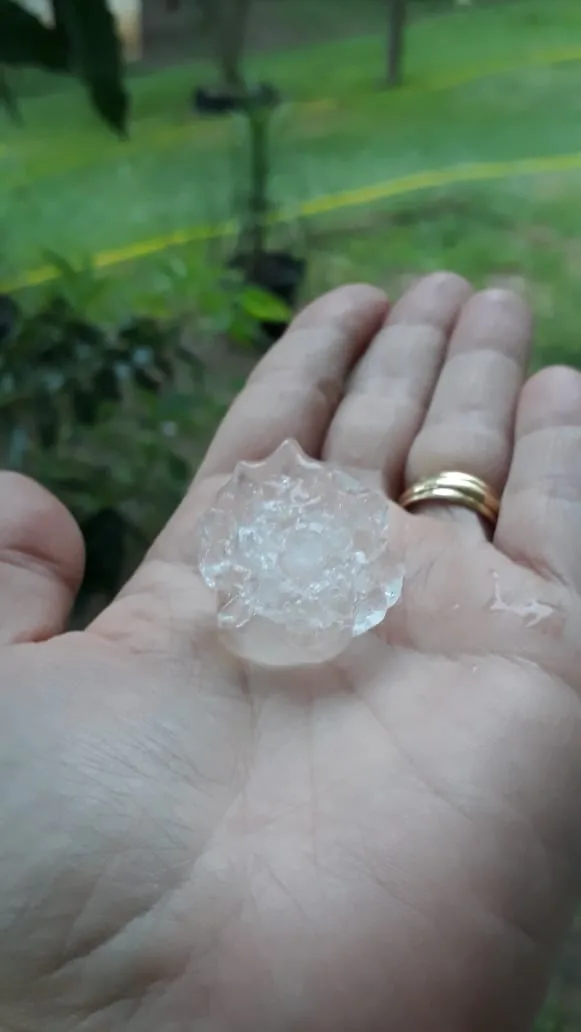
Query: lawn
x,y
496,84
370,184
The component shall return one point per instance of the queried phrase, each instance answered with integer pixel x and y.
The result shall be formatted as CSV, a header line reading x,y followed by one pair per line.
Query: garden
x,y
161,218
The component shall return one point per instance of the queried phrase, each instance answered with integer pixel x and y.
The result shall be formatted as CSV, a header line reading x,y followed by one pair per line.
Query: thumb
x,y
41,561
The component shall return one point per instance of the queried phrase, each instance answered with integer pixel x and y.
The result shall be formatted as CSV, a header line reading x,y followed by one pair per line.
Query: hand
x,y
389,842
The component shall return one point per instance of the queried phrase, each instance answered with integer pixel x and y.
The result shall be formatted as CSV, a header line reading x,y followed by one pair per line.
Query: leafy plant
x,y
26,40
81,40
113,416
270,277
90,412
261,306
95,55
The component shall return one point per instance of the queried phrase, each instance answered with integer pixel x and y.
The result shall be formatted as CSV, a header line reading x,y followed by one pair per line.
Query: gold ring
x,y
455,489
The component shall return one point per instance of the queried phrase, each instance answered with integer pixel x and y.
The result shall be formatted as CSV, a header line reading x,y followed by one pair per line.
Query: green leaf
x,y
26,40
263,306
96,55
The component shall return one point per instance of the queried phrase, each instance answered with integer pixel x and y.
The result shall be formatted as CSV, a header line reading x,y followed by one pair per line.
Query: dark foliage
x,y
62,380
95,55
82,40
25,40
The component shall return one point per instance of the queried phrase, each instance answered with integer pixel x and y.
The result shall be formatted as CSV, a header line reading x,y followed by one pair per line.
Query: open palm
x,y
385,842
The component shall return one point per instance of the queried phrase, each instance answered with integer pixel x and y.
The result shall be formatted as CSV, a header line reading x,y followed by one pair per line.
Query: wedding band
x,y
454,488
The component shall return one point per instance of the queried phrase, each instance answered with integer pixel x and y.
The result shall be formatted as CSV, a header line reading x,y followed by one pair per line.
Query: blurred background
x,y
177,176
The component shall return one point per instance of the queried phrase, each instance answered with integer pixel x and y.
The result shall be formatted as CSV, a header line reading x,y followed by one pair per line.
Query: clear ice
x,y
298,553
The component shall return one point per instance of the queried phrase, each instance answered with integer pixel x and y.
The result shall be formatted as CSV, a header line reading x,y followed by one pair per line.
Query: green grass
x,y
471,228
516,235
116,195
478,89
177,171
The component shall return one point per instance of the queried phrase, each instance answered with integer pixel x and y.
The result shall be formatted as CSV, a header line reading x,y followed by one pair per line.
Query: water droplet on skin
x,y
531,611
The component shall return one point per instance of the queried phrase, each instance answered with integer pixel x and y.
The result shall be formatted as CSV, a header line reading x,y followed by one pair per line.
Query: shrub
x,y
115,418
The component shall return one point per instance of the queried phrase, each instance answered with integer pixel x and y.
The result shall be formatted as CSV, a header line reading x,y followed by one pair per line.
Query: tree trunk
x,y
396,26
231,23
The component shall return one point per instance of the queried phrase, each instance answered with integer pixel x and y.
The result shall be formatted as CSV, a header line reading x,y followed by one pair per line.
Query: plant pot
x,y
219,100
281,274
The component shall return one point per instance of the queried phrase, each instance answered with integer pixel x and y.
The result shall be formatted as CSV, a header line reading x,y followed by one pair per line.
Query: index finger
x,y
295,389
292,393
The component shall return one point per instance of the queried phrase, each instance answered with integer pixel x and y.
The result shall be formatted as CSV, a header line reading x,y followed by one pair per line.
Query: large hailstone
x,y
298,553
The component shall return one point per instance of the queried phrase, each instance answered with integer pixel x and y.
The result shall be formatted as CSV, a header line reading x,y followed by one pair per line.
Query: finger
x,y
292,393
41,561
469,425
294,390
391,386
540,517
